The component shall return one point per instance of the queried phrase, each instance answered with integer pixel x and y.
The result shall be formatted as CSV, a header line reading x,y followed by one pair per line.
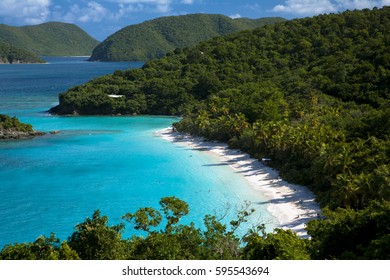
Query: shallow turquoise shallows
x,y
115,164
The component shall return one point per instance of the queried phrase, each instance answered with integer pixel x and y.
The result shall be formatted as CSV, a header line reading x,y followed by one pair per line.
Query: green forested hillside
x,y
12,54
49,39
155,38
310,94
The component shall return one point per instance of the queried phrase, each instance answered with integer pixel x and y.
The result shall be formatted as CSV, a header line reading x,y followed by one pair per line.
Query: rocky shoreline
x,y
8,134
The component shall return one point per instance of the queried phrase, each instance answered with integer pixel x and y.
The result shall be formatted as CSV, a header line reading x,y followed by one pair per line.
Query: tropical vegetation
x,y
12,128
343,234
10,54
49,39
7,122
310,94
166,239
154,38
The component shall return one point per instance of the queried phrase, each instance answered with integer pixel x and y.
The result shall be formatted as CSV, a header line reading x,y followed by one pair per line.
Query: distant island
x,y
10,54
47,39
12,128
154,38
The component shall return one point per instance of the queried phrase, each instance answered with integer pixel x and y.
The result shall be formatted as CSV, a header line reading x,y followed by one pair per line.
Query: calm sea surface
x,y
115,164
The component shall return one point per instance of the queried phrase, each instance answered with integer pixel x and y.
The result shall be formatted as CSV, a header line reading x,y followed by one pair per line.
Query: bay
x,y
114,164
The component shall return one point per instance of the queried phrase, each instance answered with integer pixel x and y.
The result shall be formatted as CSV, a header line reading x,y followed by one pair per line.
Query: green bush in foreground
x,y
367,233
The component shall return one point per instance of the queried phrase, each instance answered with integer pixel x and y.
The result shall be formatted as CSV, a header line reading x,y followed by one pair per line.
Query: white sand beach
x,y
292,205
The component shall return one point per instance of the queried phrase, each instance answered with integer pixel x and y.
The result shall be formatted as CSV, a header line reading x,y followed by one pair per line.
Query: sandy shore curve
x,y
292,205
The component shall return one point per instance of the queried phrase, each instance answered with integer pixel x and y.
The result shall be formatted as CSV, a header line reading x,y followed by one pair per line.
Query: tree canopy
x,y
154,38
49,39
11,54
12,128
13,123
95,239
341,234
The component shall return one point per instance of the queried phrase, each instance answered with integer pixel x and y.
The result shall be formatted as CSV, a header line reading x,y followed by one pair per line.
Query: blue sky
x,y
101,18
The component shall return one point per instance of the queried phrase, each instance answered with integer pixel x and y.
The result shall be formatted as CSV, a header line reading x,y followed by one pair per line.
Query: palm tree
x,y
347,192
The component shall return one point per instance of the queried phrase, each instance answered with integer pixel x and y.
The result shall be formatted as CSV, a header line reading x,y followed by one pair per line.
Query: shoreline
x,y
292,205
10,134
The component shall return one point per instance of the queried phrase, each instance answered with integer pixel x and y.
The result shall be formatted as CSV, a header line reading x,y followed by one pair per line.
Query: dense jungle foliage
x,y
49,39
12,128
11,54
310,94
13,123
343,234
154,38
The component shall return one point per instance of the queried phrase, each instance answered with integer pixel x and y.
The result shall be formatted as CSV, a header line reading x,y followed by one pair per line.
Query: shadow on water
x,y
216,164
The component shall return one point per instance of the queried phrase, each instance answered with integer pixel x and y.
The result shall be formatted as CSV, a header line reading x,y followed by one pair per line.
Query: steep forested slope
x,y
155,38
11,54
310,94
50,39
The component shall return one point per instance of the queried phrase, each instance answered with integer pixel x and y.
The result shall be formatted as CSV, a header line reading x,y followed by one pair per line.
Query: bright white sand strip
x,y
292,205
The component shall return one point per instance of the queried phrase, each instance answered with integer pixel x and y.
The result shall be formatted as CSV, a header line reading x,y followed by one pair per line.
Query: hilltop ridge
x,y
49,39
154,38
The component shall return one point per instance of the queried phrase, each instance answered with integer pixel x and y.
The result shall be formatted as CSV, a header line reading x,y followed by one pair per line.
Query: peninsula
x,y
10,54
12,128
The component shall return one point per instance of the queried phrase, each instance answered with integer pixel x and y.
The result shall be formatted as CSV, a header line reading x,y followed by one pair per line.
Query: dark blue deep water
x,y
115,164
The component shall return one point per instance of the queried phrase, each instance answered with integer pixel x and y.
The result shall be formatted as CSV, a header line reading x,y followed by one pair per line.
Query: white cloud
x,y
187,2
93,12
25,11
235,16
313,7
154,2
163,8
128,6
151,2
357,4
125,9
159,6
38,11
306,7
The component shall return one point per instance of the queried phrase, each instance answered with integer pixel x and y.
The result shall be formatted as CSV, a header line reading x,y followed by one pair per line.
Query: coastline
x,y
10,134
292,205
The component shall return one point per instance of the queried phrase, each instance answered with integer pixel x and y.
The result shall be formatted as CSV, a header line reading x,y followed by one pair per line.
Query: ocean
x,y
114,164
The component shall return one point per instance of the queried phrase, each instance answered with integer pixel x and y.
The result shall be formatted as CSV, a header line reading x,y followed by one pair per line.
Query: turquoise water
x,y
115,164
